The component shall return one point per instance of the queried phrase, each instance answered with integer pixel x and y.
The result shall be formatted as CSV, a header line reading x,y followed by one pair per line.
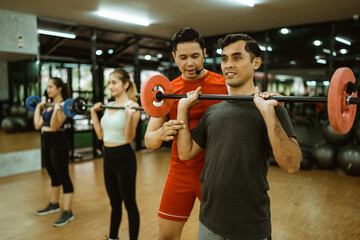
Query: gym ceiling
x,y
209,17
165,17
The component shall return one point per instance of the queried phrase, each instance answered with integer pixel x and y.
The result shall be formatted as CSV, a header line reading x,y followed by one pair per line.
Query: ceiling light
x,y
56,34
159,55
311,83
98,52
317,42
339,39
284,31
321,61
262,48
317,57
292,62
110,51
343,51
219,51
247,2
326,83
326,51
124,17
148,58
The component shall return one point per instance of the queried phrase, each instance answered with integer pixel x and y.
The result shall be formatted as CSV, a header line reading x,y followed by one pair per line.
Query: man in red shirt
x,y
182,185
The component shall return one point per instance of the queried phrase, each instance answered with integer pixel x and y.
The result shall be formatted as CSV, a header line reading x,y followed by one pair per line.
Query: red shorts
x,y
182,186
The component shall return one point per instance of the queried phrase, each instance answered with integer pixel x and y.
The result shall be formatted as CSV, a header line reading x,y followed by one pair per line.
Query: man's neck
x,y
248,89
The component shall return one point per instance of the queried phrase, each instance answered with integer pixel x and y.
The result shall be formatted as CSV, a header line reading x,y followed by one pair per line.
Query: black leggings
x,y
55,152
120,177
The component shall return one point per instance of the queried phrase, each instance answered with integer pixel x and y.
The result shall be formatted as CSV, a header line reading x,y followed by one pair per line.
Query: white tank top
x,y
114,125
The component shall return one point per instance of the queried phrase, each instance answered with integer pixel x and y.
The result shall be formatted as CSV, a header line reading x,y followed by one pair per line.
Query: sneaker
x,y
66,217
108,238
51,208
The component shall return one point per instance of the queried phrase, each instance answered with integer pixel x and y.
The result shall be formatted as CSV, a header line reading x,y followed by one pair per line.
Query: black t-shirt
x,y
234,199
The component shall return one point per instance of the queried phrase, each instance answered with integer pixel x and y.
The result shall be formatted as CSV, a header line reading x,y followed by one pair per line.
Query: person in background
x,y
117,128
55,149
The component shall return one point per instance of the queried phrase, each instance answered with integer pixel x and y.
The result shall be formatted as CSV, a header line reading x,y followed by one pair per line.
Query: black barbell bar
x,y
300,99
79,105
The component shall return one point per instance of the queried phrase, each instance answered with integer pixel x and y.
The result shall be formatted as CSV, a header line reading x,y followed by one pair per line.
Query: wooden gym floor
x,y
311,205
19,141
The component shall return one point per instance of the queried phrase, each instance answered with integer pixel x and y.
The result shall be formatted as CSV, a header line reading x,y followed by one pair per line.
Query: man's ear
x,y
174,56
257,63
204,52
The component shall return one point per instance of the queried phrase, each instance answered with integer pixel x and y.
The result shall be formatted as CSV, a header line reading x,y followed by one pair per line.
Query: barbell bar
x,y
79,105
300,99
157,98
71,106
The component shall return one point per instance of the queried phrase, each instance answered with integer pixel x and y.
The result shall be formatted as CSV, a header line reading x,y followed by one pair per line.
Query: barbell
x,y
80,106
157,98
32,101
71,106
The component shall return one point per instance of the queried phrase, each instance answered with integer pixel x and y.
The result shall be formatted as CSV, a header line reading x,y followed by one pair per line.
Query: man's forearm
x,y
286,152
184,139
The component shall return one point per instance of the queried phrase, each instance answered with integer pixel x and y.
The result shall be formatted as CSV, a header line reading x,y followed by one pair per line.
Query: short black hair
x,y
251,46
187,34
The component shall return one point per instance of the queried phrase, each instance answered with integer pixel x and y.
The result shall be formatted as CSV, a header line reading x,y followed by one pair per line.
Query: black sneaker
x,y
66,217
51,208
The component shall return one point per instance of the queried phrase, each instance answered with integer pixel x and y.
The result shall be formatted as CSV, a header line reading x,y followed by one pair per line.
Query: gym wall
x,y
4,82
18,34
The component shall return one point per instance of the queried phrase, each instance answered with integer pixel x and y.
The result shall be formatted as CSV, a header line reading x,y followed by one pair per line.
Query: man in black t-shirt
x,y
238,138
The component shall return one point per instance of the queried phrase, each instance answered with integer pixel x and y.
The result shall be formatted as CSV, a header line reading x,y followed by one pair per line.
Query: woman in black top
x,y
55,149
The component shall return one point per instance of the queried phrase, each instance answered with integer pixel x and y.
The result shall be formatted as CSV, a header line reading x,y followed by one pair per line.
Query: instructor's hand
x,y
169,129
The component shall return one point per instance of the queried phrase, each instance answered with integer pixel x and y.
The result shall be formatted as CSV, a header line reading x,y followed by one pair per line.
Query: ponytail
x,y
131,91
65,92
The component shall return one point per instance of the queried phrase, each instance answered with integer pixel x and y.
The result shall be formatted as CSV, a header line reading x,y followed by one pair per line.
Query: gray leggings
x,y
207,234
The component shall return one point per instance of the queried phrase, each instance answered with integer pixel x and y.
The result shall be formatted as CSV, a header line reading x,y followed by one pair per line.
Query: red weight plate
x,y
147,96
341,115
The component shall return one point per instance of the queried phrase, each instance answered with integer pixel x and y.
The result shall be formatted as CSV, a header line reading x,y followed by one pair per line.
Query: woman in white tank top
x,y
117,129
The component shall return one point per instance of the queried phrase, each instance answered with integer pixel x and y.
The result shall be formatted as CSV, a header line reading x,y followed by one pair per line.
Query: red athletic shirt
x,y
211,83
